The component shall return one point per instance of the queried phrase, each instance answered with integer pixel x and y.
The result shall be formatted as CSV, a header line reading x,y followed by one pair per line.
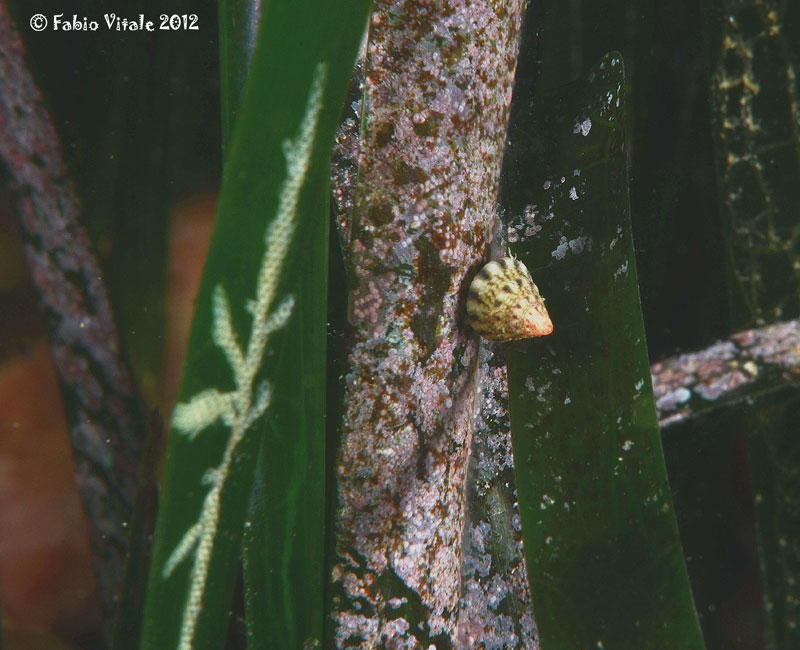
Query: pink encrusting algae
x,y
437,90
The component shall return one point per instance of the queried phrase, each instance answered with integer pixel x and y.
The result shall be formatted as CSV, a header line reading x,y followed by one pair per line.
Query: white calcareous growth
x,y
239,409
505,305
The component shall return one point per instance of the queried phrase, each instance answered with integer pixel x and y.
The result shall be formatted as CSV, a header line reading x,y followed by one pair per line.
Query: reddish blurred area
x,y
48,594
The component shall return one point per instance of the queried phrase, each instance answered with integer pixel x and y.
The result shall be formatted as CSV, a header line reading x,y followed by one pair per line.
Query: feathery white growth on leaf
x,y
202,411
222,329
241,407
183,549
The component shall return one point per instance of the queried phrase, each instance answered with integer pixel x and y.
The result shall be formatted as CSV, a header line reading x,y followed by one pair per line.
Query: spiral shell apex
x,y
505,305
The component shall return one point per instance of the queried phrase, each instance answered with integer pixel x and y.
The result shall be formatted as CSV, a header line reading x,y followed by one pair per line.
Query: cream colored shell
x,y
504,304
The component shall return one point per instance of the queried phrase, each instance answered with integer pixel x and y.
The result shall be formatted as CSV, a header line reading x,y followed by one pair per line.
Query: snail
x,y
504,304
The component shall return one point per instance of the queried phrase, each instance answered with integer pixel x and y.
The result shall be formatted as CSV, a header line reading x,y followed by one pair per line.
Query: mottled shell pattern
x,y
505,305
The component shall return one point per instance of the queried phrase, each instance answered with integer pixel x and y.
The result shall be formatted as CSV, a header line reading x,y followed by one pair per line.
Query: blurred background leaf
x,y
138,115
753,57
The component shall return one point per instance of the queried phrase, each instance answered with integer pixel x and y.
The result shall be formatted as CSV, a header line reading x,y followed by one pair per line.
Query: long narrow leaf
x,y
601,542
269,211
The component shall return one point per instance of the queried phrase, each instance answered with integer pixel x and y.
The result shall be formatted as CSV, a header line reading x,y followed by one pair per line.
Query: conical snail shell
x,y
504,304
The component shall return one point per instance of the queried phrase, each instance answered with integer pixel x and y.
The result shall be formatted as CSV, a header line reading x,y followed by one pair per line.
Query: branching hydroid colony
x,y
240,408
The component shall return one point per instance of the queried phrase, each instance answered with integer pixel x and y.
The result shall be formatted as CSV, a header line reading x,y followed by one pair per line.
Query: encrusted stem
x,y
437,91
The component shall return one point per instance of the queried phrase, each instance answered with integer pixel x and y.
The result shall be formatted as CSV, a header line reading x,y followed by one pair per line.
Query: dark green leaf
x,y
266,263
601,542
772,446
284,538
708,466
